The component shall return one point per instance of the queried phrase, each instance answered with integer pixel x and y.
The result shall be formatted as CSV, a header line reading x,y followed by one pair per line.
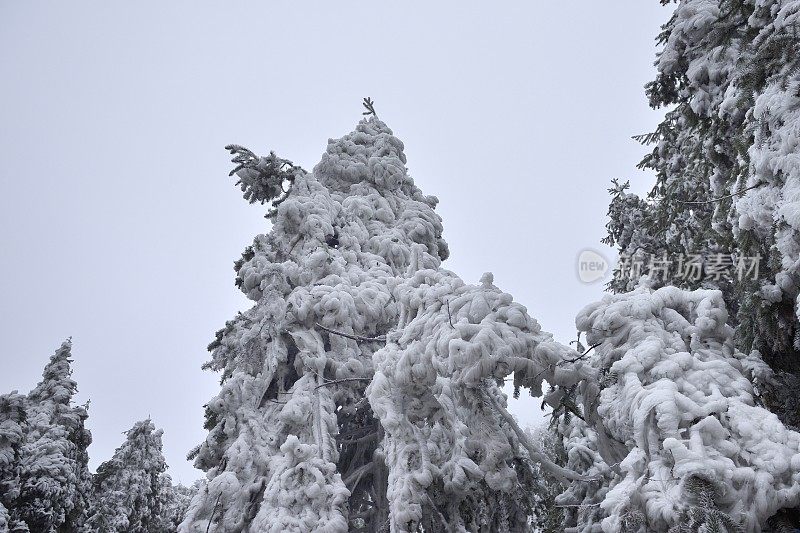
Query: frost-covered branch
x,y
343,380
535,455
681,405
263,179
713,200
358,338
213,510
370,107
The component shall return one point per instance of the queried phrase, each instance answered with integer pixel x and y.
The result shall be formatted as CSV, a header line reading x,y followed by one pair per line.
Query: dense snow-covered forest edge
x,y
45,483
363,390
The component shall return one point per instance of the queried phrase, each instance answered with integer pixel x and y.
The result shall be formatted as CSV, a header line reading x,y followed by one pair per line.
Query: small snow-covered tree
x,y
12,437
175,500
53,472
547,517
130,495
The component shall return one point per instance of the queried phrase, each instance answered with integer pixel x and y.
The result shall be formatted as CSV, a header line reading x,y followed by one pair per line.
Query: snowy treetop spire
x,y
57,384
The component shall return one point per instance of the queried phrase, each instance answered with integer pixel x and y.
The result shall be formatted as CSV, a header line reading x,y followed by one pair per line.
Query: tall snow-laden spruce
x,y
361,391
728,177
130,494
54,479
292,441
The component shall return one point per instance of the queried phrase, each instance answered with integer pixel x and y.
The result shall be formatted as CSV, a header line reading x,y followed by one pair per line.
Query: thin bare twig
x,y
737,193
581,356
213,510
343,380
449,316
549,367
447,526
549,466
359,338
579,505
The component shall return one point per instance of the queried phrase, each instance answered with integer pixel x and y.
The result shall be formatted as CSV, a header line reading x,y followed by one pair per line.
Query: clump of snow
x,y
677,400
773,209
436,394
306,494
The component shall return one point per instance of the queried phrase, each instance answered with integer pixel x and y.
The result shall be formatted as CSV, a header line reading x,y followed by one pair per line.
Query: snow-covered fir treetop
x,y
57,384
350,223
51,399
53,459
128,487
141,450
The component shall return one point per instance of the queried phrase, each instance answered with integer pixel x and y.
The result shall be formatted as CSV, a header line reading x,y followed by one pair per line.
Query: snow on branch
x,y
358,338
683,407
713,200
263,179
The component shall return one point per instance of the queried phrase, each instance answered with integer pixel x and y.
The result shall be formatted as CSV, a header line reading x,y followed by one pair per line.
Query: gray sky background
x,y
119,225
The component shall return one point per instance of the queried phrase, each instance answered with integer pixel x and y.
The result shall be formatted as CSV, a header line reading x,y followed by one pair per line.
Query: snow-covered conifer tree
x,y
727,173
12,420
130,494
175,500
54,476
362,391
292,440
342,407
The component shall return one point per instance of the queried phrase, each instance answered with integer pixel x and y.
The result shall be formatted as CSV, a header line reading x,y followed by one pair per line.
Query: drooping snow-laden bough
x,y
362,390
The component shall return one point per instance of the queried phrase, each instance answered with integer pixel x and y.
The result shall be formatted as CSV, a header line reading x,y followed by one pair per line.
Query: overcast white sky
x,y
119,225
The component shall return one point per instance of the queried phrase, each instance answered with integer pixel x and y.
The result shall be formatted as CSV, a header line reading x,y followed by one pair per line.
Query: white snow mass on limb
x,y
436,392
678,397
